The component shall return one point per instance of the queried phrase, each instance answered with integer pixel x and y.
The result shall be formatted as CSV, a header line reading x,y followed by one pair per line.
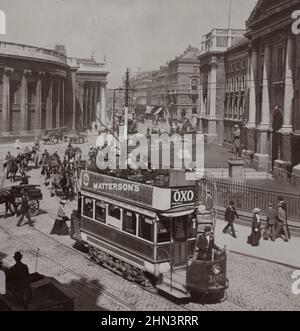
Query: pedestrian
x,y
255,235
60,227
205,245
24,210
284,206
230,215
271,222
210,203
18,280
281,222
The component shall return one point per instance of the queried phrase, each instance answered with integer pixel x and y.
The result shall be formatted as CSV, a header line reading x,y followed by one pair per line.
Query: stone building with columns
x,y
273,126
40,89
213,81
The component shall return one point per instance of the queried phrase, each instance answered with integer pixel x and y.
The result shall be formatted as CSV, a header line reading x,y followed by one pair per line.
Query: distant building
x,y
212,80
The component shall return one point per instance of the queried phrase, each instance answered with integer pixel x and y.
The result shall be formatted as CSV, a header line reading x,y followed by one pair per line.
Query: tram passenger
x,y
206,244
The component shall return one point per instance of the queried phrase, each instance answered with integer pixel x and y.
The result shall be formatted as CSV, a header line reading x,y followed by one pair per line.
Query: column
x,y
285,148
38,103
63,102
5,121
73,75
212,88
288,89
103,115
57,110
49,103
95,103
23,103
261,158
90,110
252,92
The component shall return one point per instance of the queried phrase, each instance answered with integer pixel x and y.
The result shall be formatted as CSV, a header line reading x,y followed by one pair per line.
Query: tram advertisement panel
x,y
183,196
118,188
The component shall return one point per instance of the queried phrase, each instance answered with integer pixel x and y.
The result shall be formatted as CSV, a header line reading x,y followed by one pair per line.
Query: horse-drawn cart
x,y
79,138
12,197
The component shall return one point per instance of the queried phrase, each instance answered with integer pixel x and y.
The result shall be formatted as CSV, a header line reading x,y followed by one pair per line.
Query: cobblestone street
x,y
254,284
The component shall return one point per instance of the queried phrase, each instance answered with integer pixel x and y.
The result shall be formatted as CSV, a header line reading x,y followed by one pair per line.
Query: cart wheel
x,y
34,206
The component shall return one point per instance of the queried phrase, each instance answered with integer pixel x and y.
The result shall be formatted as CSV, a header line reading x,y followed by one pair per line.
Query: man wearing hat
x,y
25,210
18,280
281,222
205,245
230,214
271,222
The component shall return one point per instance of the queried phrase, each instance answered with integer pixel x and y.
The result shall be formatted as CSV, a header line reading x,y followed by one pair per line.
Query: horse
x,y
12,169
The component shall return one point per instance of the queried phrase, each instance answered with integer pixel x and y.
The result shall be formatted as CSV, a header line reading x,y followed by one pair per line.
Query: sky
x,y
139,34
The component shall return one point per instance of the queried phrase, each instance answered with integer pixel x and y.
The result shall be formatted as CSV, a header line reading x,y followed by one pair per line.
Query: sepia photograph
x,y
149,158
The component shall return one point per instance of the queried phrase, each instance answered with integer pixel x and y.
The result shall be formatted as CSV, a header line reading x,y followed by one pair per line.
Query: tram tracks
x,y
125,305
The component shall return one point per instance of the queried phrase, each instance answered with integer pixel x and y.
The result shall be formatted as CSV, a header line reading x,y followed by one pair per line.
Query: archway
x,y
276,126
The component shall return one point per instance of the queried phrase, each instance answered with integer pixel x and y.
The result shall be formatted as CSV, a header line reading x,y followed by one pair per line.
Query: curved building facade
x,y
39,90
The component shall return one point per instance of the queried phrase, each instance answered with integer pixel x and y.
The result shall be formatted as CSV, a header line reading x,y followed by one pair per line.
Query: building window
x,y
88,207
280,63
129,222
100,211
163,231
146,228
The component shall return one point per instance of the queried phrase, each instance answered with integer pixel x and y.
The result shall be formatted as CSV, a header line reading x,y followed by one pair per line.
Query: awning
x,y
178,213
158,111
149,110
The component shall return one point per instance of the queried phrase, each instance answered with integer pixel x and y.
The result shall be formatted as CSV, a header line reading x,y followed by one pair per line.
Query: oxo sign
x,y
183,196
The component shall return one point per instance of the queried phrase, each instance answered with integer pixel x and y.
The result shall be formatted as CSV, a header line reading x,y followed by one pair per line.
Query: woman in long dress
x,y
255,236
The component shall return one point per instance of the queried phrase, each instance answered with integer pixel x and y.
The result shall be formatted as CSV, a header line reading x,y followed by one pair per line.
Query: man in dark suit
x,y
205,245
18,280
230,214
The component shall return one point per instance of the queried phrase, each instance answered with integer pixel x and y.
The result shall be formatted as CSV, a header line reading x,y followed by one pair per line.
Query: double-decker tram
x,y
146,230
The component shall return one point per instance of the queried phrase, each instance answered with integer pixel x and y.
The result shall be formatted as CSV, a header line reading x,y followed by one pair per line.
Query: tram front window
x,y
146,228
129,222
163,231
88,207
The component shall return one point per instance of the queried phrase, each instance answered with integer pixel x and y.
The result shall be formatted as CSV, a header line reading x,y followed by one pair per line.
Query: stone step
x,y
173,292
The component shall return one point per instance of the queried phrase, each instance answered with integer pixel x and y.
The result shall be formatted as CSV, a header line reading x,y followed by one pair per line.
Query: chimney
x,y
61,49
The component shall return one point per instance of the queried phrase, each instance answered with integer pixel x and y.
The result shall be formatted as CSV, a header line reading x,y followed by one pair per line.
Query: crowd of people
x,y
276,223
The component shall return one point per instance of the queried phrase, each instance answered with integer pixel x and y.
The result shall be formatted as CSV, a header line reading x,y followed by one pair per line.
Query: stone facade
x,y
212,81
38,89
273,120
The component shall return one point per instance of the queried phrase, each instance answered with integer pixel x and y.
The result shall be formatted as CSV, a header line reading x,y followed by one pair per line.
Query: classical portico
x,y
31,89
273,98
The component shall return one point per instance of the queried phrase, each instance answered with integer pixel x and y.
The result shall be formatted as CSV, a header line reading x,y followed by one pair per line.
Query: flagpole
x,y
229,15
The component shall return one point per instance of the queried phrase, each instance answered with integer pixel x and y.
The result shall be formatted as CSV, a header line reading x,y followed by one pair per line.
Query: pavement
x,y
278,251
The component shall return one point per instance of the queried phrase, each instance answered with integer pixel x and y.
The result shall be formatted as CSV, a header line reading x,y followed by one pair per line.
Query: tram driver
x,y
206,244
